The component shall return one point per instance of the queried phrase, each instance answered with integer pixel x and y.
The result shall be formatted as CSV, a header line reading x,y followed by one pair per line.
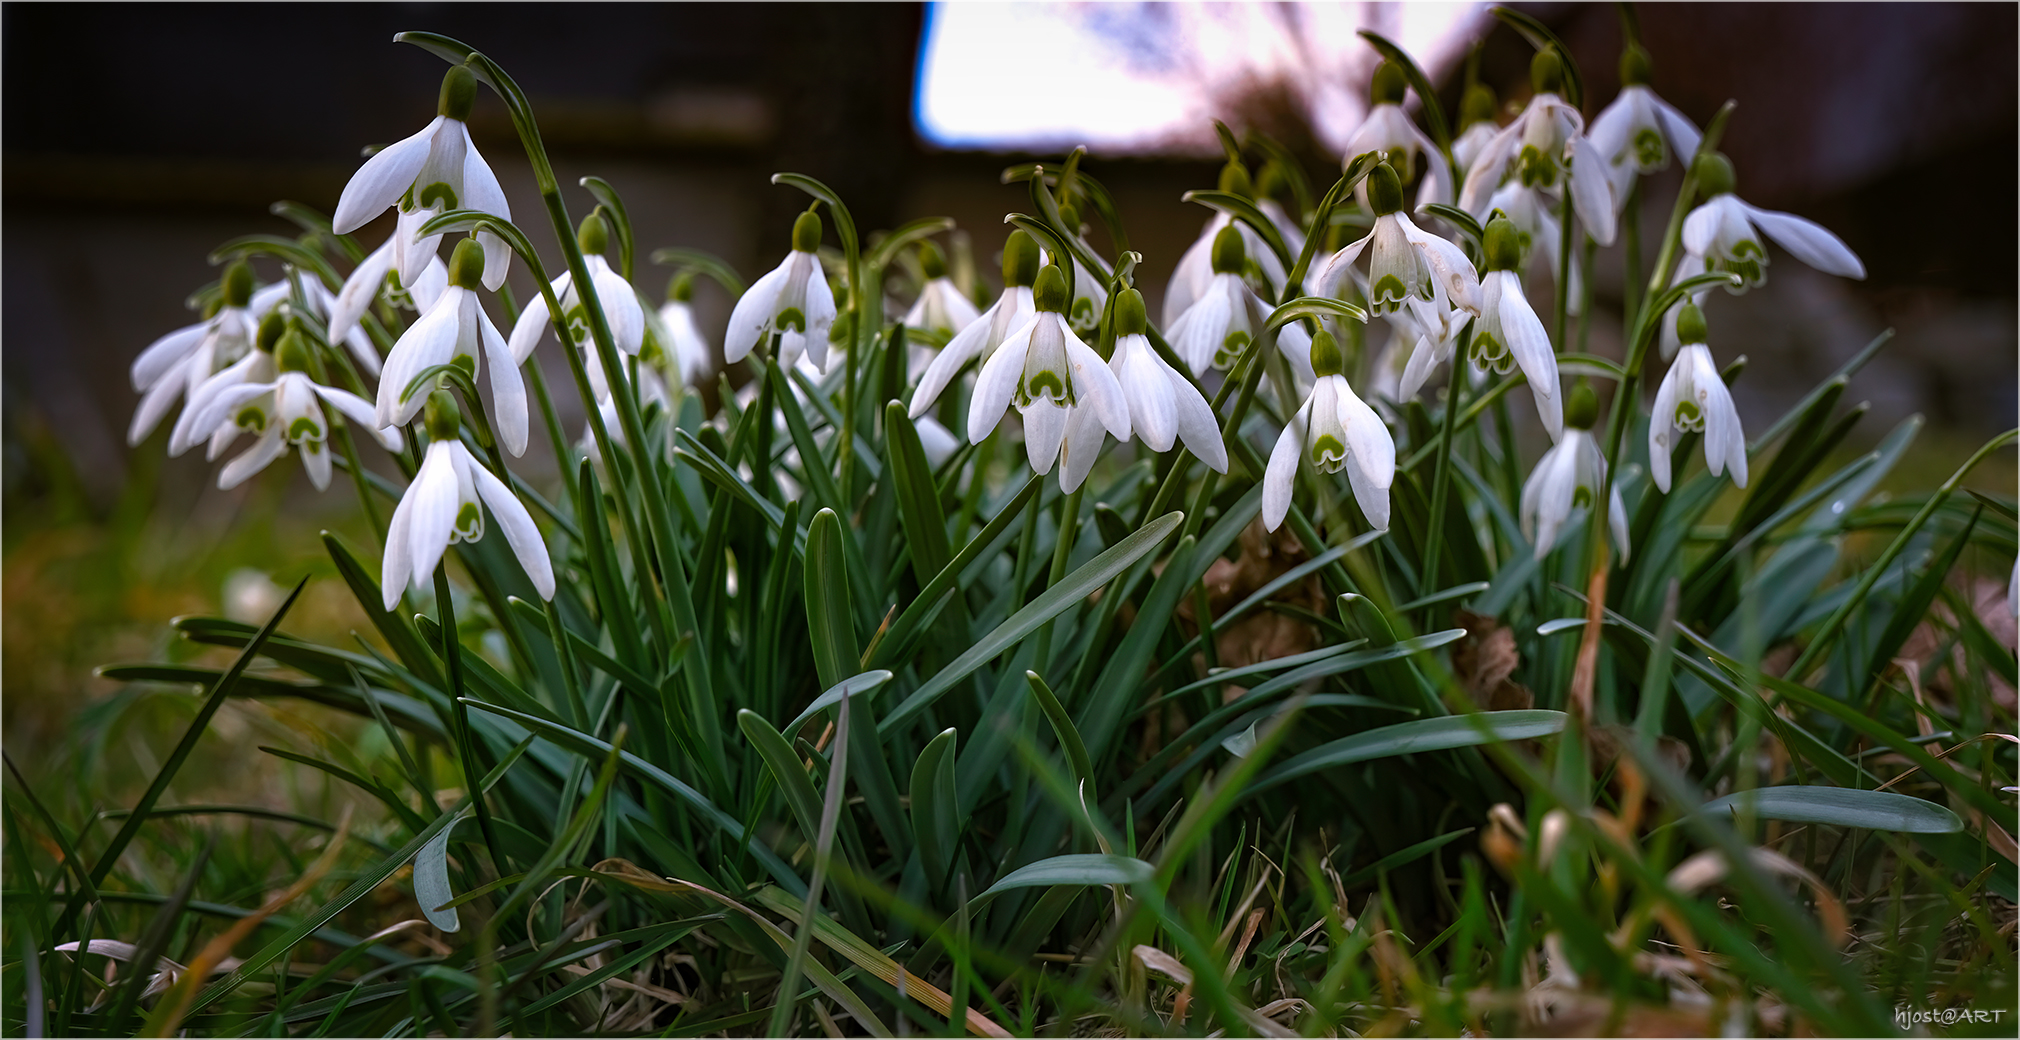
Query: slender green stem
x,y
1564,262
466,743
1631,234
1062,547
1441,482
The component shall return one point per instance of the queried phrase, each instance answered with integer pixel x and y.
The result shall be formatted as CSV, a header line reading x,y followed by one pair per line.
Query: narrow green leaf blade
x,y
1840,807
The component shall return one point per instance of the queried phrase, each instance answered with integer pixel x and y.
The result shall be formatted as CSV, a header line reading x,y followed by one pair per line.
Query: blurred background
x,y
138,138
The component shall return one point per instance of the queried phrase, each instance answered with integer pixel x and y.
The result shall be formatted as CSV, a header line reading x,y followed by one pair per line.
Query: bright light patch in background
x,y
1152,77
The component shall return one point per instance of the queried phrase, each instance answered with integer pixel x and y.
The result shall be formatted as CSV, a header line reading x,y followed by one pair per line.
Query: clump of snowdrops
x,y
1246,679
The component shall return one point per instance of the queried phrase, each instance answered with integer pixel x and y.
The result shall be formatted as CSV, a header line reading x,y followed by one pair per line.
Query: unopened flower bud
x,y
1234,180
1581,409
591,236
1020,260
466,264
291,353
1129,314
1069,218
1326,357
1502,244
931,260
1049,293
1546,71
238,284
681,288
1385,192
1270,181
459,90
1228,253
1388,85
807,232
1635,66
1690,324
444,419
1477,106
1714,175
270,330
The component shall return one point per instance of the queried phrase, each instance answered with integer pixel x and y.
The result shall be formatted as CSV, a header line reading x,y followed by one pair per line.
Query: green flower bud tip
x,y
1049,293
291,354
1228,253
1234,180
1582,409
681,288
238,284
212,306
466,264
1388,85
459,91
1635,67
1690,325
591,235
1069,218
1385,191
807,232
1503,244
270,330
442,416
1477,106
1326,357
1714,175
1020,260
1546,71
1129,314
931,260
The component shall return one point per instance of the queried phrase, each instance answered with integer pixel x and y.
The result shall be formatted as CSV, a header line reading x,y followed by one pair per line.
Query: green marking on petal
x,y
791,318
1388,293
1328,453
1046,383
1649,149
1536,169
438,192
1230,348
1581,497
254,419
305,429
470,521
1689,416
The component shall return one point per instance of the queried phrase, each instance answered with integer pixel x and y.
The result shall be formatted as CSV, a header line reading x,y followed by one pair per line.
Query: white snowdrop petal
x,y
383,179
263,452
518,527
1807,241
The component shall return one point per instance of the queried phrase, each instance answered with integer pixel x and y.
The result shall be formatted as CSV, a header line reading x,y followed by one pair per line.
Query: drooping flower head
x,y
623,315
1693,397
425,175
1163,405
1406,265
687,349
445,505
456,332
180,362
1508,333
1568,477
1639,132
1476,118
981,337
1224,318
1335,430
1387,130
1725,233
1047,373
196,422
942,308
1189,280
1546,149
792,302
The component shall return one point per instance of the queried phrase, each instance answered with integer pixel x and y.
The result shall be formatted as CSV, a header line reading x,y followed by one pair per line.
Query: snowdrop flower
x,y
1163,405
196,424
1389,132
686,348
456,332
445,505
1406,266
981,337
622,313
347,309
318,300
426,174
1048,374
941,307
1220,324
1725,233
1568,477
1694,397
1534,214
793,301
1535,148
1639,131
1189,280
286,412
1476,114
1508,333
1420,340
179,362
1334,430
